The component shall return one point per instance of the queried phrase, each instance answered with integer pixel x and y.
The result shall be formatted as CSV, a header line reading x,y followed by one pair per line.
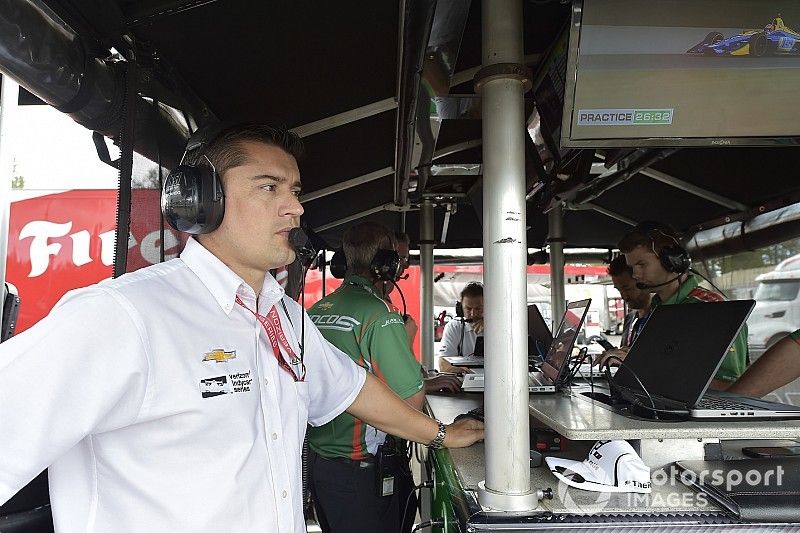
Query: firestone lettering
x,y
41,233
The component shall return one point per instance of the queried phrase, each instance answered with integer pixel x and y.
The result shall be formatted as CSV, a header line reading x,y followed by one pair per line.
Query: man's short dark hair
x,y
362,241
401,236
473,289
652,235
226,150
619,267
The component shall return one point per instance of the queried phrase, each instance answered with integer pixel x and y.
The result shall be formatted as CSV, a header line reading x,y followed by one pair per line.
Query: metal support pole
x,y
555,220
426,244
499,82
9,97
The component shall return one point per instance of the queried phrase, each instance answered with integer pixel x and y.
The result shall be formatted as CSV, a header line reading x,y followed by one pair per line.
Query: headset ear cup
x,y
386,264
674,259
338,264
192,200
180,198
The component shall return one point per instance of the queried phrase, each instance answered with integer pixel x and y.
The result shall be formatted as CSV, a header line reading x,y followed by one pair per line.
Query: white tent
x,y
447,289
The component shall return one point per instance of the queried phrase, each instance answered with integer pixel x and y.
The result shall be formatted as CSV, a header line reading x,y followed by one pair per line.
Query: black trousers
x,y
345,498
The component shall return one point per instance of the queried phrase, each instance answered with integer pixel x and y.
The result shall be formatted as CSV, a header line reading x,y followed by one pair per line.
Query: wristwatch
x,y
438,440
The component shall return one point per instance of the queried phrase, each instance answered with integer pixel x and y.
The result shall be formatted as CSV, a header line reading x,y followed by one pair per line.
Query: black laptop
x,y
532,347
539,335
677,354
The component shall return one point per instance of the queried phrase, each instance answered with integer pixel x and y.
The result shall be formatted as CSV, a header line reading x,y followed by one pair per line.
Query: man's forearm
x,y
380,407
778,366
417,401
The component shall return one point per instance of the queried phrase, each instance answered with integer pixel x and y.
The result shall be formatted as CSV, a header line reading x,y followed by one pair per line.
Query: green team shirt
x,y
355,319
795,336
689,292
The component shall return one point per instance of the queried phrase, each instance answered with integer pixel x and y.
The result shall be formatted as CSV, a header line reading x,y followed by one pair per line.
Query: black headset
x,y
338,264
192,199
385,265
674,257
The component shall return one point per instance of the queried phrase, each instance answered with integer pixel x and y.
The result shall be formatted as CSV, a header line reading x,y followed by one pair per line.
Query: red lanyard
x,y
272,325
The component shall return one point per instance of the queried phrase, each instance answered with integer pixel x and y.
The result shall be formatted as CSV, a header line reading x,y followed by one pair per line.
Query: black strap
x,y
125,172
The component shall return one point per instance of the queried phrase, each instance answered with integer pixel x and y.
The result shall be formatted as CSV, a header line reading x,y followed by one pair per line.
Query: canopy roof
x,y
344,75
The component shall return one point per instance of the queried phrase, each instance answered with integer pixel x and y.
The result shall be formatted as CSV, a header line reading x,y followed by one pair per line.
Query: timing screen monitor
x,y
683,73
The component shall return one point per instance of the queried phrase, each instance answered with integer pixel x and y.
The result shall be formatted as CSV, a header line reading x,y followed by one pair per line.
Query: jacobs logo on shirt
x,y
227,384
219,355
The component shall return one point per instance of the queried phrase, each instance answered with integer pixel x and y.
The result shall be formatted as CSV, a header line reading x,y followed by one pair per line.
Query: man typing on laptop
x,y
661,265
637,300
458,338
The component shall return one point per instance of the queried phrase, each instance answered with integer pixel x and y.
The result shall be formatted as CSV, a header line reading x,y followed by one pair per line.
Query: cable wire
x,y
693,271
633,399
402,297
424,484
576,367
429,523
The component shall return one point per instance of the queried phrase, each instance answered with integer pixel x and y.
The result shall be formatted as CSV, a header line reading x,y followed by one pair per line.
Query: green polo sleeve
x,y
735,362
385,345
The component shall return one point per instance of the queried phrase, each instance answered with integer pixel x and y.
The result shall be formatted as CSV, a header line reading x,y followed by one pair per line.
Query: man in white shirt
x,y
458,337
176,398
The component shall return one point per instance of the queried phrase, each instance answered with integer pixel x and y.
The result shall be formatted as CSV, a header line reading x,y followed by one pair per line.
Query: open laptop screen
x,y
533,346
681,347
539,336
555,363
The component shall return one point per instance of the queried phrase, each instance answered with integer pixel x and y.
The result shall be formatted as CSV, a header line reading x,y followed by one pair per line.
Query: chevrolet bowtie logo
x,y
220,356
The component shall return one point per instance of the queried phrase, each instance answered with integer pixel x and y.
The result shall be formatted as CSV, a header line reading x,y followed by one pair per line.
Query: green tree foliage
x,y
768,256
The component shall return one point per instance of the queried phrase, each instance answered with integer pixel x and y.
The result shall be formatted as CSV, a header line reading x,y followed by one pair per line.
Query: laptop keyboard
x,y
725,404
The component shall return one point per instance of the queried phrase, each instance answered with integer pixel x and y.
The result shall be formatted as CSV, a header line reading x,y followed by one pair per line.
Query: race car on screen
x,y
774,39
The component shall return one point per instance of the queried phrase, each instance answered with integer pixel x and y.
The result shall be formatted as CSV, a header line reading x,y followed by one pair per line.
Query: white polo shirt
x,y
159,405
452,336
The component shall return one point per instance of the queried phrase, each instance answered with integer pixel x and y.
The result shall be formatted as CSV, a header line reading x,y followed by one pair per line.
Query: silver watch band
x,y
438,440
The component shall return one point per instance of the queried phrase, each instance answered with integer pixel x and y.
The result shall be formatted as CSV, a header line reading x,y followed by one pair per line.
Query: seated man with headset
x,y
661,265
459,335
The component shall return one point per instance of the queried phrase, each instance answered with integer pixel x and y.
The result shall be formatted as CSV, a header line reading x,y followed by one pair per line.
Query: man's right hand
x,y
477,325
446,367
613,357
463,433
442,383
